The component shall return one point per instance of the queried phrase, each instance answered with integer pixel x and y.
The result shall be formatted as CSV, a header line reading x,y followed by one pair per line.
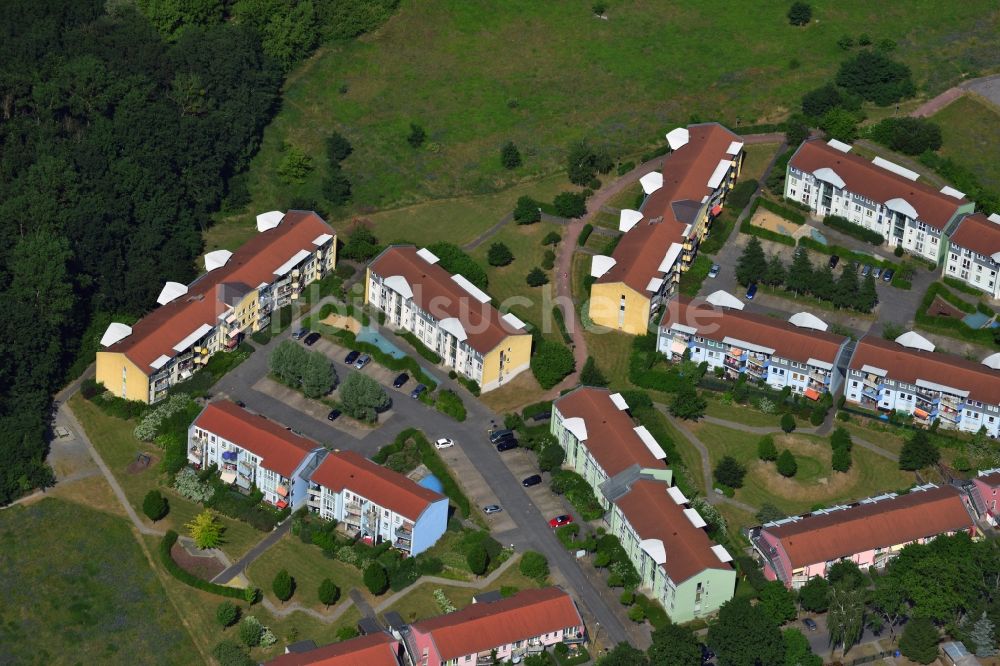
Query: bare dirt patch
x,y
343,322
204,567
765,219
138,466
942,308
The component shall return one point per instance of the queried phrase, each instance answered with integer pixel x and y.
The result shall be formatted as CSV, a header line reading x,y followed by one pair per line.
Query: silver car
x,y
362,361
492,508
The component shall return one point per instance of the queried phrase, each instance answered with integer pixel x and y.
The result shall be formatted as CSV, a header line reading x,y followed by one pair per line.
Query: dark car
x,y
351,357
887,276
333,415
417,390
497,435
751,291
834,260
809,623
300,333
240,403
400,380
532,480
707,654
506,444
311,339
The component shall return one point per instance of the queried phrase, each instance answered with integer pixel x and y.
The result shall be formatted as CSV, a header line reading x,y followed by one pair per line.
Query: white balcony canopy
x,y
650,442
724,299
628,218
577,427
839,145
654,285
217,259
677,495
952,192
600,265
807,320
670,258
196,335
992,361
171,291
695,517
269,220
619,400
994,218
721,169
722,553
454,327
895,168
654,548
828,175
734,148
161,361
427,255
678,137
322,239
399,285
115,333
903,206
296,259
651,182
915,341
511,319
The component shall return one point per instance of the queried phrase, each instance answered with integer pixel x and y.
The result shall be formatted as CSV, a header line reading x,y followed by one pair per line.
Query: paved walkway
x,y
241,565
362,603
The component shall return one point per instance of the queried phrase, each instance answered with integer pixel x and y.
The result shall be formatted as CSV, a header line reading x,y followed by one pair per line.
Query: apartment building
x,y
985,494
509,629
665,539
602,442
974,252
235,296
868,533
879,195
251,451
798,353
376,503
378,649
449,315
908,376
661,238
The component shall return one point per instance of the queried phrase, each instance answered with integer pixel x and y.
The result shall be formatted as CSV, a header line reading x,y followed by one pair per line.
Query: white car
x,y
444,443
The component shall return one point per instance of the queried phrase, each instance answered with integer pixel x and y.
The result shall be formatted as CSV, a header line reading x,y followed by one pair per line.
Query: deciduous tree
x,y
328,592
814,596
375,578
362,397
206,530
729,472
743,634
283,585
499,255
154,505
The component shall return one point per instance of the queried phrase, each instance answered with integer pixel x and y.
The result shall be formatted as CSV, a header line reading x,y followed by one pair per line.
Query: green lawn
x,y
420,602
626,198
541,74
77,588
611,350
971,132
739,413
757,158
815,483
118,447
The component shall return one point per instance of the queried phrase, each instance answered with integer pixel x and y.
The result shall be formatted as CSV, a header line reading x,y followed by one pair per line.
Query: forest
x,y
123,127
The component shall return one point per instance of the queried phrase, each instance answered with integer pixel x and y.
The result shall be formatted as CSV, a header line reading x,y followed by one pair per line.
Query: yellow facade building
x,y
449,315
661,239
235,296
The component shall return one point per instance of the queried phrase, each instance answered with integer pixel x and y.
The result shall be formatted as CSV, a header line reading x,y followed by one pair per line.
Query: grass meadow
x,y
971,130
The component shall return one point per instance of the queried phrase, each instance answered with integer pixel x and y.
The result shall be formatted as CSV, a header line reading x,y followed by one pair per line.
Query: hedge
x,y
398,364
846,254
422,349
188,578
793,216
544,407
471,385
763,128
577,492
430,458
845,226
955,283
656,152
766,234
557,314
448,402
938,289
584,234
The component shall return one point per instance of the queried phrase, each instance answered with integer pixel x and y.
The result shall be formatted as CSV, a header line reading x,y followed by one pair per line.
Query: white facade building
x,y
974,253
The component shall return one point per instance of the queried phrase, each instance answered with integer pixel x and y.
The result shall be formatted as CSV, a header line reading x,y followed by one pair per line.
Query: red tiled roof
x,y
435,292
654,515
862,177
371,650
908,365
388,489
280,450
252,264
686,172
977,233
788,340
481,627
917,515
611,438
989,479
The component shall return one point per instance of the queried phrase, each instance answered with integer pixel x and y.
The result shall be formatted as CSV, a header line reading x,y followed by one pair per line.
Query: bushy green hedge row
x,y
584,234
766,234
955,283
557,314
471,385
578,492
762,128
544,407
846,254
845,226
448,402
188,578
110,404
937,289
398,364
421,348
793,216
430,458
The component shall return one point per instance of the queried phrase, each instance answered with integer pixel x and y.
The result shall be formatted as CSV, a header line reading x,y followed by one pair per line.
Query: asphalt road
x,y
532,530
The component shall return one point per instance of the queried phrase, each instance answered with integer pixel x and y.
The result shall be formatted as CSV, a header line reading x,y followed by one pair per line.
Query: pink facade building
x,y
986,495
869,533
508,629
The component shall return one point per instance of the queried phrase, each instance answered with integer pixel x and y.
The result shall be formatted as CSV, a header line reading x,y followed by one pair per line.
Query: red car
x,y
559,521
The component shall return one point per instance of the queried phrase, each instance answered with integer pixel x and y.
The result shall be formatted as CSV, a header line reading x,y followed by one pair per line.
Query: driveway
x,y
528,525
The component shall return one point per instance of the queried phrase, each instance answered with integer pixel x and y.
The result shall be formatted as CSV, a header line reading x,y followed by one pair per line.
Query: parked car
x,y
810,624
532,480
506,445
333,415
855,265
400,380
351,357
707,654
417,390
300,333
492,508
834,260
876,272
866,270
240,403
444,443
559,521
311,339
751,291
714,271
497,435
887,276
362,361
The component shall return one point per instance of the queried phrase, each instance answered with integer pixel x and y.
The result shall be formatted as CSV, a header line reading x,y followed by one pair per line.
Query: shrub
x,y
729,472
918,452
688,404
154,505
337,148
591,375
478,559
800,13
549,260
499,255
919,641
227,613
448,402
251,631
361,244
843,225
420,347
570,205
876,77
786,464
534,565
550,457
230,654
787,422
510,156
910,136
578,492
557,315
536,277
328,592
417,136
551,362
152,423
375,578
637,613
527,211
551,238
766,450
294,166
584,162
584,234
283,585
841,461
